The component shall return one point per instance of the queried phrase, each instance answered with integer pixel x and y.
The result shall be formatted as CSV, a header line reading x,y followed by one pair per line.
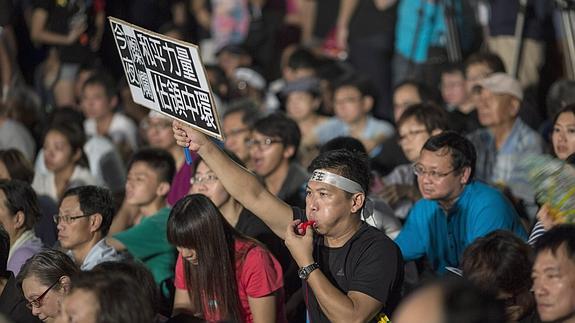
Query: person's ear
x,y
436,132
466,173
114,101
96,222
515,106
316,103
289,151
77,155
65,284
358,200
367,103
163,189
19,219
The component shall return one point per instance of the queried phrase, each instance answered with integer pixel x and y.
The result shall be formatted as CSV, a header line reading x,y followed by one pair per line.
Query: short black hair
x,y
560,235
104,80
137,269
21,197
343,142
250,112
453,68
346,163
492,60
94,199
302,58
429,114
279,125
425,92
462,151
357,81
159,160
118,295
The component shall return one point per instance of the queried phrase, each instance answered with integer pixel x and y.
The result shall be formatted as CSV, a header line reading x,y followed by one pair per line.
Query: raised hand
x,y
188,137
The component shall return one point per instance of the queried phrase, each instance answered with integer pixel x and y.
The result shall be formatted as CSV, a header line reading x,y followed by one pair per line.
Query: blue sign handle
x,y
189,159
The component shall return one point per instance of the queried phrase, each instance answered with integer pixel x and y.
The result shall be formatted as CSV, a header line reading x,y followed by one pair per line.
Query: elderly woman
x,y
19,212
45,281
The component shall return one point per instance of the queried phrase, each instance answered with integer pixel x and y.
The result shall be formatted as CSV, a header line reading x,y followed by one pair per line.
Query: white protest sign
x,y
166,75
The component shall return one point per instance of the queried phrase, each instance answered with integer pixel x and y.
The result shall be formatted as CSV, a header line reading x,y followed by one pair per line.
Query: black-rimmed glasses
x,y
420,171
37,302
263,144
68,219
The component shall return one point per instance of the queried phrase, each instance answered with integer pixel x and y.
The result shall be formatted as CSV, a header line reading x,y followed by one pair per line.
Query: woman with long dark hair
x,y
220,274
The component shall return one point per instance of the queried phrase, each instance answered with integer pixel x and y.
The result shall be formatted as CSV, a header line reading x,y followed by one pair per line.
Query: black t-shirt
x,y
367,20
369,263
61,14
326,17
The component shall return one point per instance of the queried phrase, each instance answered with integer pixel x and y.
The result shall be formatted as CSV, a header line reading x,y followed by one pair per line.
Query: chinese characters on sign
x,y
166,75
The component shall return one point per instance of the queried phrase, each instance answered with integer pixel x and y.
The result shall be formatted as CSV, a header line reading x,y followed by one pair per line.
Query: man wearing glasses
x,y
454,210
273,146
85,216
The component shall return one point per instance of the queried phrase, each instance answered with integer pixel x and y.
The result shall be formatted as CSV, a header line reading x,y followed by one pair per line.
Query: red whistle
x,y
303,226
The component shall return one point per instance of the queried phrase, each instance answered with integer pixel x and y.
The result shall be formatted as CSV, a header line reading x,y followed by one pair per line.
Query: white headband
x,y
320,175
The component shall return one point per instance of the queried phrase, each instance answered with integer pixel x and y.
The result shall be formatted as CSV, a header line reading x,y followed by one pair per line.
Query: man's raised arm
x,y
238,181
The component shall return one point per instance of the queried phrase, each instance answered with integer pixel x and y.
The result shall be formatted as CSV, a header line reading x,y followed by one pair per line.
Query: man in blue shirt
x,y
455,210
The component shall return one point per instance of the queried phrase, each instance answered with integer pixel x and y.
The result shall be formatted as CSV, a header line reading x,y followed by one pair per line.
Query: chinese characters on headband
x,y
166,75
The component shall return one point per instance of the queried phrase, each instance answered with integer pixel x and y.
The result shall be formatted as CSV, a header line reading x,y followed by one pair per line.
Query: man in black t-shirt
x,y
352,272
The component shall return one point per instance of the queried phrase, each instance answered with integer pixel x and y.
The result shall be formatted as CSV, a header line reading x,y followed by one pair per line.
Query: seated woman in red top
x,y
220,274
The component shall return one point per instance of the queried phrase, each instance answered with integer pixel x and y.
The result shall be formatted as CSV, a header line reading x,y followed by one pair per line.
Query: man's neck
x,y
447,203
275,180
103,123
501,133
356,127
81,252
153,207
339,237
231,210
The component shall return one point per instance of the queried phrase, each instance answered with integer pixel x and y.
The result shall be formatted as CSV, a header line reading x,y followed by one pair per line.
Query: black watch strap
x,y
304,272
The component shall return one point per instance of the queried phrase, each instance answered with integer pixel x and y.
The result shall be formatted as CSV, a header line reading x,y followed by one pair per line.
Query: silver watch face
x,y
302,273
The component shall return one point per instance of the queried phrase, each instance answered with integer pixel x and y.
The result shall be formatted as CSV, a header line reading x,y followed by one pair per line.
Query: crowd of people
x,y
366,174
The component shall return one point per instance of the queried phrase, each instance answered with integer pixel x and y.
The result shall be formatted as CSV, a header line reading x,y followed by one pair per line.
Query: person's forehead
x,y
234,117
70,202
347,90
409,123
203,168
435,159
256,134
556,258
141,167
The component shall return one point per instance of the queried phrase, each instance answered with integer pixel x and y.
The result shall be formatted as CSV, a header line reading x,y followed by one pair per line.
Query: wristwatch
x,y
304,272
